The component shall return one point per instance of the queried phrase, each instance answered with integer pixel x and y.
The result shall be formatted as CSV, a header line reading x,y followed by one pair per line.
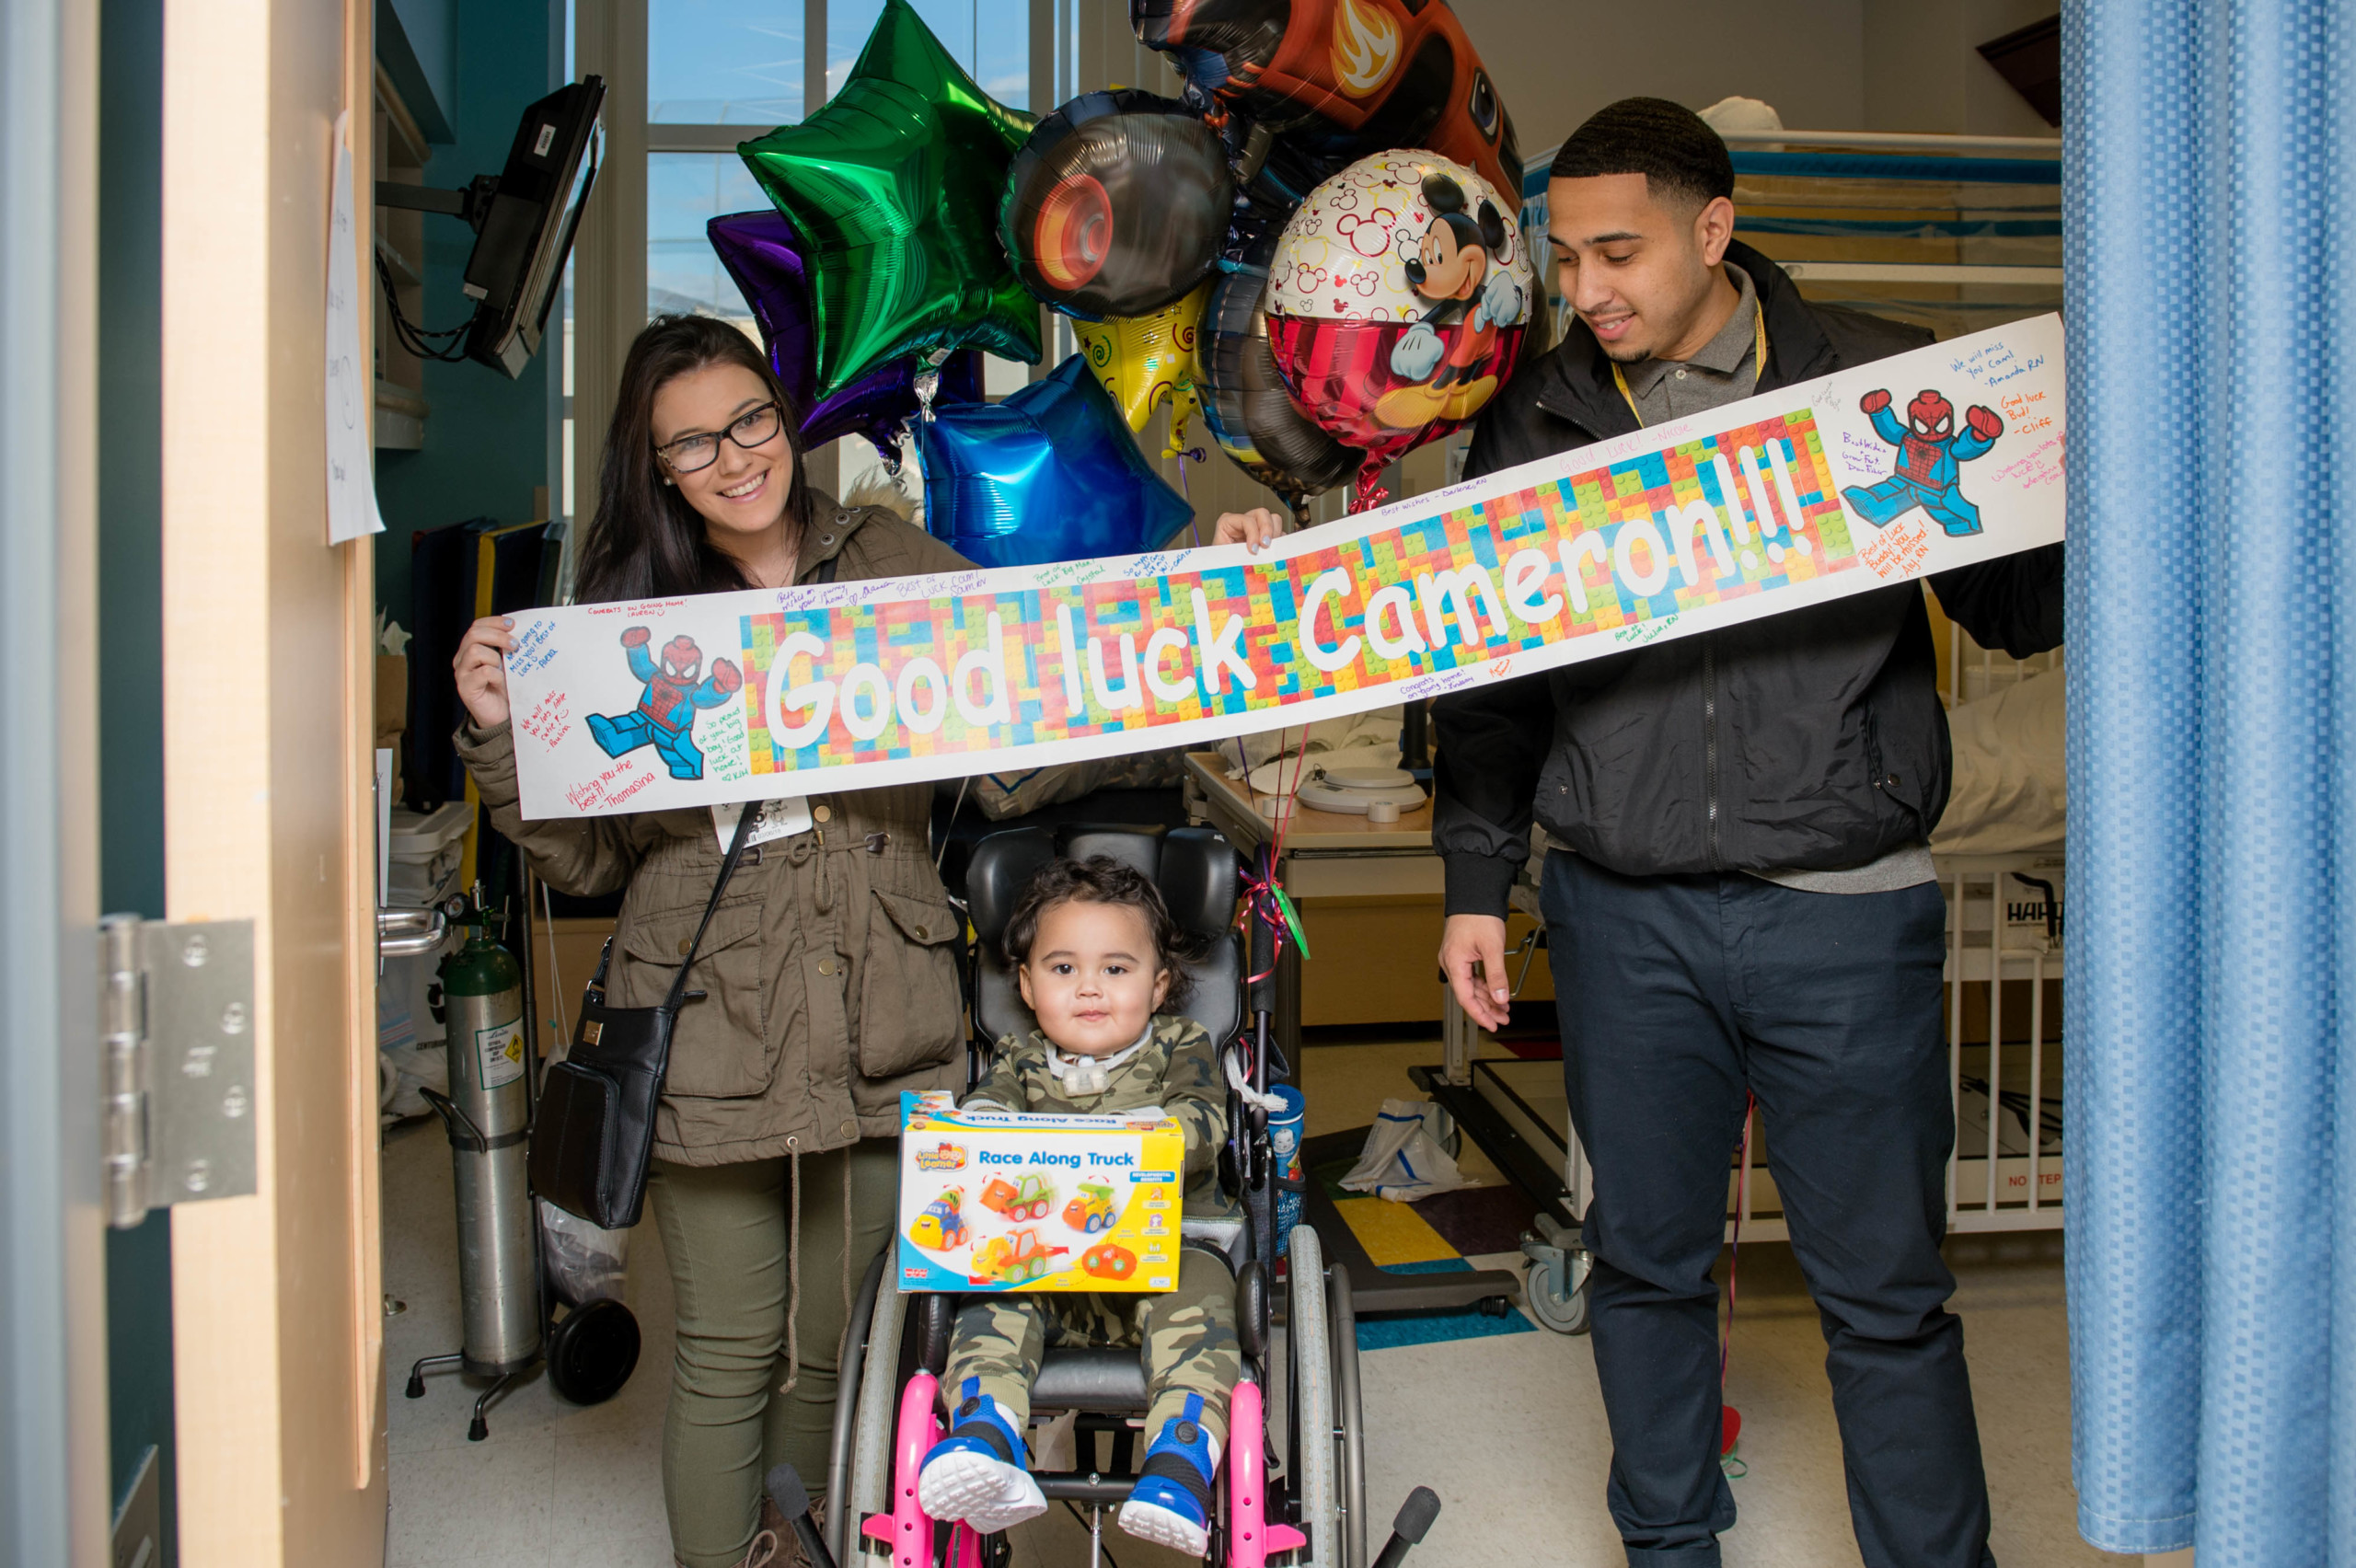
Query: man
x,y
1739,894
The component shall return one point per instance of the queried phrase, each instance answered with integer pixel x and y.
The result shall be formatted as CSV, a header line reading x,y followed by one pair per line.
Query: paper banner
x,y
1834,486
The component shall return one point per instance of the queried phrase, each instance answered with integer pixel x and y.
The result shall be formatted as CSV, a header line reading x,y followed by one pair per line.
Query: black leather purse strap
x,y
744,820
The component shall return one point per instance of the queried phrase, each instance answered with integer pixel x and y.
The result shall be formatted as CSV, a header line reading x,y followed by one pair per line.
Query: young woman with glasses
x,y
830,966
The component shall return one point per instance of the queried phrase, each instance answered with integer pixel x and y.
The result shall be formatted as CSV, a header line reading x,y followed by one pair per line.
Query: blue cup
x,y
1285,1125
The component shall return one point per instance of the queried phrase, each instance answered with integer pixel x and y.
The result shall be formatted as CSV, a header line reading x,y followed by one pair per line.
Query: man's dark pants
x,y
1676,995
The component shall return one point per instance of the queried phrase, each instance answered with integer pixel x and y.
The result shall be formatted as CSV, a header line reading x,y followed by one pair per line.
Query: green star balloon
x,y
895,185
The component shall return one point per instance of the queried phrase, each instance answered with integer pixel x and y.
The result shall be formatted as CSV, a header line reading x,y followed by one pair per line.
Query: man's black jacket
x,y
1810,740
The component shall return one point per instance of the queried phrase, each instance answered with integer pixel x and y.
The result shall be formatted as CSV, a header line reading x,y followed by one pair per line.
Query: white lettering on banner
x,y
1573,551
868,725
1130,692
1392,597
1211,653
817,696
923,720
1644,531
1526,574
1330,584
1068,655
1459,586
996,707
1697,516
1166,639
1717,520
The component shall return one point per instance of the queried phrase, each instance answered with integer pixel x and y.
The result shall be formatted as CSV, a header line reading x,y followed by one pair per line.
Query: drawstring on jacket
x,y
793,1270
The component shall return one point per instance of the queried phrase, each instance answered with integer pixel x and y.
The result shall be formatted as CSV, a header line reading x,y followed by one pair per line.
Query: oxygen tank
x,y
487,1112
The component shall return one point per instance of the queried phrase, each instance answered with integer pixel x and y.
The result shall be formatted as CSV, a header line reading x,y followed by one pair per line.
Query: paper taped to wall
x,y
1938,458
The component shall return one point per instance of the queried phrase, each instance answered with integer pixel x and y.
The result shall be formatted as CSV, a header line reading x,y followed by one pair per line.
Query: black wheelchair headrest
x,y
1195,869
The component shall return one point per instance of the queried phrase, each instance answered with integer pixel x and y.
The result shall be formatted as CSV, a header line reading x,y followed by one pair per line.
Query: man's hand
x,y
1875,402
1984,422
1255,530
726,679
636,637
1468,941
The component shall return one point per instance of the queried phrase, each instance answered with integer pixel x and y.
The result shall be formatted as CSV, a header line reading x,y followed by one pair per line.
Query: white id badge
x,y
780,819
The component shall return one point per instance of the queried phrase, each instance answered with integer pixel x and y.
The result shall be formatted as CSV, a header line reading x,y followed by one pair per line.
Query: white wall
x,y
1556,62
1825,64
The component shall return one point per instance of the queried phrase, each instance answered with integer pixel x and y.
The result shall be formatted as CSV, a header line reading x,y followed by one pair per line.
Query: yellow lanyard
x,y
1757,364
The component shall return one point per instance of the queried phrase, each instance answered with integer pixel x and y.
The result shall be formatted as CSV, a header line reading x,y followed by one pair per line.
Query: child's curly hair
x,y
1100,879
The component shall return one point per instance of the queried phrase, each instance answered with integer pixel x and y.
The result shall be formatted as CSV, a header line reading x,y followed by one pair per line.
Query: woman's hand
x,y
1255,530
481,670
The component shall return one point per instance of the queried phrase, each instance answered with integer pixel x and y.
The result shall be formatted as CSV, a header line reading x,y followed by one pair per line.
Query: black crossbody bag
x,y
595,1129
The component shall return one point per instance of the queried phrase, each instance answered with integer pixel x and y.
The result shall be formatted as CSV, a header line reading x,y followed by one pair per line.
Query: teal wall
x,y
130,662
487,438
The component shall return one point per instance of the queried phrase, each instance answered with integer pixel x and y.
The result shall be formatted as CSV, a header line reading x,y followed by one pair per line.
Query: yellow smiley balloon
x,y
1143,359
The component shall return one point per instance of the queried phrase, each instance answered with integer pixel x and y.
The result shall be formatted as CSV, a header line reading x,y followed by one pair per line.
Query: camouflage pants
x,y
1188,1336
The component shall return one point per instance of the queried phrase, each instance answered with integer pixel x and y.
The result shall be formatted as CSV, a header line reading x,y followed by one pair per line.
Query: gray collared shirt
x,y
1722,371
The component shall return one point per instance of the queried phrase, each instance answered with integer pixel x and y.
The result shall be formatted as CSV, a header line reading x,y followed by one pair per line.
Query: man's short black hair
x,y
1666,142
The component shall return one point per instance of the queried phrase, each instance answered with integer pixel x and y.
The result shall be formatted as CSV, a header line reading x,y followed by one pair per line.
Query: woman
x,y
830,965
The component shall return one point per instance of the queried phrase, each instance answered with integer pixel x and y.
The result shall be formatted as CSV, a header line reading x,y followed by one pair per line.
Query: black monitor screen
x,y
518,257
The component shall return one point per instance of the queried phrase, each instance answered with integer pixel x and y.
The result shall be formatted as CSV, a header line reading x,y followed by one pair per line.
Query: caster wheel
x,y
1496,1305
1565,1312
478,1430
592,1352
416,1389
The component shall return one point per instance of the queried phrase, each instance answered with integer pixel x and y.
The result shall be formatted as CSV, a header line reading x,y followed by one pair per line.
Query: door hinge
x,y
177,1020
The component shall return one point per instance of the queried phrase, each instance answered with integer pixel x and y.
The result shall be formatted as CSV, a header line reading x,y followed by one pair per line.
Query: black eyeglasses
x,y
702,450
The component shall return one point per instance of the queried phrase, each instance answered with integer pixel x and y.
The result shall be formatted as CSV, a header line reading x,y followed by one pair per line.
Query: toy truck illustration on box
x,y
1018,1257
1091,1209
1026,1197
985,1196
942,1226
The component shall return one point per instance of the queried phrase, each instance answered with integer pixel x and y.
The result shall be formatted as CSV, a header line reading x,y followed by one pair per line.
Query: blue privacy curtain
x,y
2212,968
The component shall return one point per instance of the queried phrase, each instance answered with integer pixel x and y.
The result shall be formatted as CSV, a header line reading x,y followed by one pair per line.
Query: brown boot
x,y
789,1552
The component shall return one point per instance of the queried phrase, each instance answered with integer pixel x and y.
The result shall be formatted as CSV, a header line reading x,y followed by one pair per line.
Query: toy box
x,y
991,1200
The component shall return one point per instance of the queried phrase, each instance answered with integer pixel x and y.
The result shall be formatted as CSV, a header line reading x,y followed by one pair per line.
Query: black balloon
x,y
1116,205
1252,416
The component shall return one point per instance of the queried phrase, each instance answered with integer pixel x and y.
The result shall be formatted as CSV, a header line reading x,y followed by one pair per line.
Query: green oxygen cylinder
x,y
489,1113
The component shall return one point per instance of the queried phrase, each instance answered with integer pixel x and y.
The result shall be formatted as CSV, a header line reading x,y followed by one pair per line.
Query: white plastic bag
x,y
586,1263
1404,1159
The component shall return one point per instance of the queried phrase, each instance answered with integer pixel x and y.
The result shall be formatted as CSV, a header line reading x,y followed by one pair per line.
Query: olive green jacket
x,y
830,968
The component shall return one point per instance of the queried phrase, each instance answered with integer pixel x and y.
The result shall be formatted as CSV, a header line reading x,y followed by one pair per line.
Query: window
x,y
990,37
724,62
684,191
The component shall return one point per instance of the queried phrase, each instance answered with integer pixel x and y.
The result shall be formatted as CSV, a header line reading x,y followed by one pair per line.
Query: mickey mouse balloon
x,y
1397,300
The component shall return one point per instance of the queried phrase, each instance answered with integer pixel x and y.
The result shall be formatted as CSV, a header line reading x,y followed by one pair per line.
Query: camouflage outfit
x,y
1188,1334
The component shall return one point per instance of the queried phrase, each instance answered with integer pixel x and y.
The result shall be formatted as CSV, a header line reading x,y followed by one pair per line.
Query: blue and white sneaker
x,y
975,1475
1171,1504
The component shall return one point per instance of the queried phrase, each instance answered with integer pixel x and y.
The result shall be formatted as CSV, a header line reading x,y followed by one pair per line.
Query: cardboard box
x,y
991,1201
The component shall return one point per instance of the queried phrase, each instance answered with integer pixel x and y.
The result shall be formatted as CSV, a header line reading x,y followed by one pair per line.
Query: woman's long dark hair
x,y
645,541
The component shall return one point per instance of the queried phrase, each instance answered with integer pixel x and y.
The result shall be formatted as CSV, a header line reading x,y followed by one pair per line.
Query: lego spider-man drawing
x,y
1929,453
665,715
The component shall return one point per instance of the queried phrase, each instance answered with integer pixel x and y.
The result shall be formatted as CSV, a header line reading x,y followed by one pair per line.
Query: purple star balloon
x,y
763,258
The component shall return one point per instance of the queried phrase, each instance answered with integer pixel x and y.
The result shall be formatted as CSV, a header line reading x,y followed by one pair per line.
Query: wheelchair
x,y
1293,1481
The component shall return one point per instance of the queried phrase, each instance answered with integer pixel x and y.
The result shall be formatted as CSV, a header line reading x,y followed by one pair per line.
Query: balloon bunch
x,y
1313,247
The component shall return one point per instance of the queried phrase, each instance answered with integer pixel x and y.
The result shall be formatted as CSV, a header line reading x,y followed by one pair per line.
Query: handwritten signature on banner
x,y
1093,648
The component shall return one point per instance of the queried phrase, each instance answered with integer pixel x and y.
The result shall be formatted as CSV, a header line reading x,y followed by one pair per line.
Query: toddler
x,y
1096,955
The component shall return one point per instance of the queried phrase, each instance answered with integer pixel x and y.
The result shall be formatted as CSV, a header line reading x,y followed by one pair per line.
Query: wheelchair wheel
x,y
851,1357
1349,1417
1309,1406
873,1418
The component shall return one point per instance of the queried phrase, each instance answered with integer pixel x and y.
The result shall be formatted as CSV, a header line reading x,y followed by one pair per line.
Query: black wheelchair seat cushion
x,y
1098,1380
